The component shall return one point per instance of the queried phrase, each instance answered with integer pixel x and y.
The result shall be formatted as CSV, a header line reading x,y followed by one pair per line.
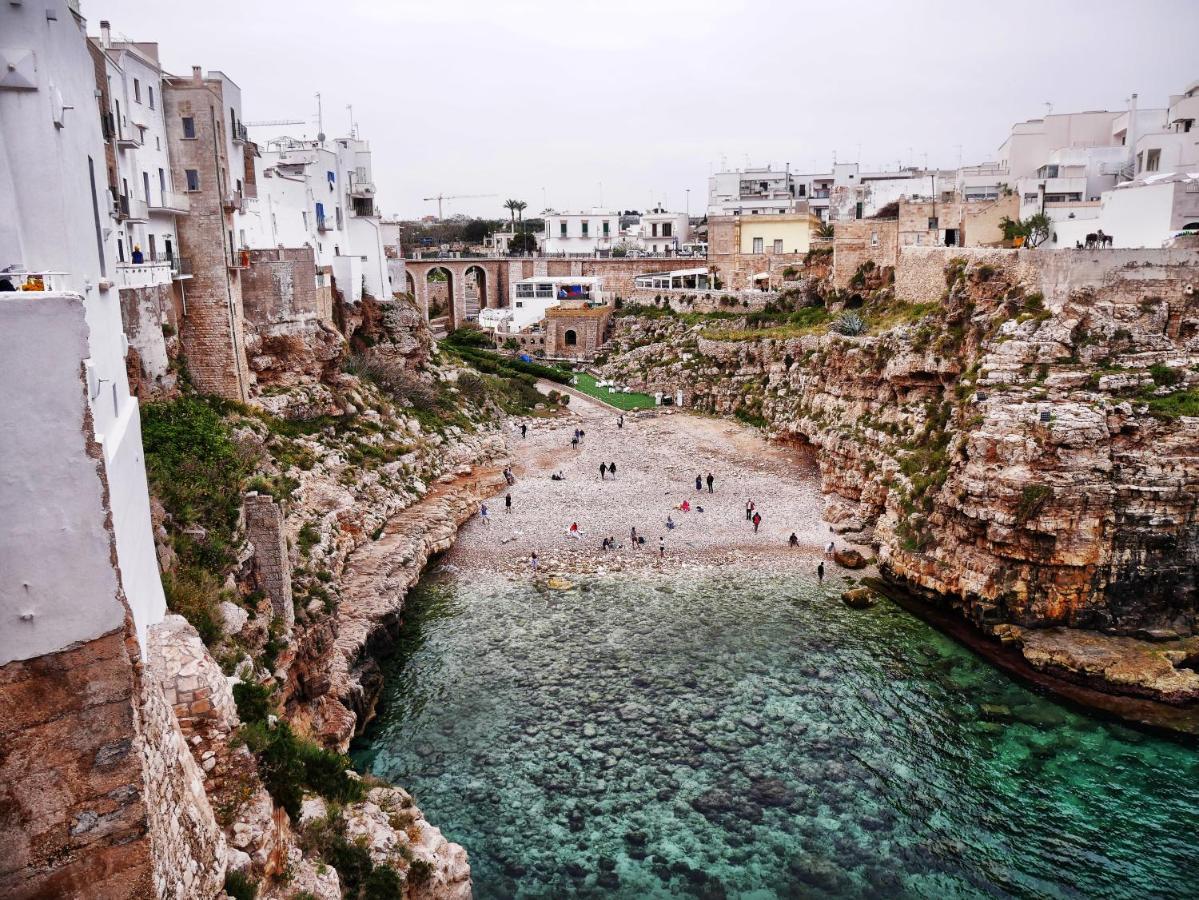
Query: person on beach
x,y
757,520
669,523
603,471
794,539
661,548
820,571
699,483
612,469
507,503
605,545
749,510
573,531
633,536
620,421
574,441
711,479
533,562
524,429
828,551
483,514
582,434
685,506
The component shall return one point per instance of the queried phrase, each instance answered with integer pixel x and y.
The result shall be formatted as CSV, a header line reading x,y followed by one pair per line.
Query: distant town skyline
x,y
624,106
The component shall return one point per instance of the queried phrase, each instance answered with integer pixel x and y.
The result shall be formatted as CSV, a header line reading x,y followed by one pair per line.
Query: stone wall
x,y
188,844
272,568
212,330
144,313
280,287
589,328
857,241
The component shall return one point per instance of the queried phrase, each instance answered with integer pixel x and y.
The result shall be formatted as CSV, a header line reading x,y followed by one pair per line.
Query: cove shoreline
x,y
1177,723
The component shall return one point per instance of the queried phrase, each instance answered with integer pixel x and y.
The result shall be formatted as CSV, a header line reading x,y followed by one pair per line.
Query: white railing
x,y
138,209
37,281
144,274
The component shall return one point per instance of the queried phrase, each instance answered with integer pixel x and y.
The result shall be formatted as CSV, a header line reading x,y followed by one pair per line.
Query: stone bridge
x,y
475,283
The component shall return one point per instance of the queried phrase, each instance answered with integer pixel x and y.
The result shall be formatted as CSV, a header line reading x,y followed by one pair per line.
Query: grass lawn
x,y
586,384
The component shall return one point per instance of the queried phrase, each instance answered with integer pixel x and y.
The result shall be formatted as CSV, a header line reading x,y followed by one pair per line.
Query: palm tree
x,y
511,206
520,212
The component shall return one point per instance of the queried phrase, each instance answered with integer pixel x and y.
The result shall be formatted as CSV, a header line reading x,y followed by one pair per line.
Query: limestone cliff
x,y
1016,433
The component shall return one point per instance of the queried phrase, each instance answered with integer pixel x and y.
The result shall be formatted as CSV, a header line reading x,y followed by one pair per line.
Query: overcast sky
x,y
576,103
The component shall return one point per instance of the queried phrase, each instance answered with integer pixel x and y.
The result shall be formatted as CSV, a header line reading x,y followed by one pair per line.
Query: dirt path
x,y
657,454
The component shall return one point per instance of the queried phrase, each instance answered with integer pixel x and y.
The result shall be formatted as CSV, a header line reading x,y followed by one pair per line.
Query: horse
x,y
1092,240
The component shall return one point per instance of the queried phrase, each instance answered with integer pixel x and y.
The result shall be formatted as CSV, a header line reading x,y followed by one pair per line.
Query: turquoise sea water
x,y
750,736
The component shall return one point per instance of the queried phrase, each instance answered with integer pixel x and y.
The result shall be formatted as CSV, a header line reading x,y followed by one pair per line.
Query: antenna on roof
x,y
1048,108
320,120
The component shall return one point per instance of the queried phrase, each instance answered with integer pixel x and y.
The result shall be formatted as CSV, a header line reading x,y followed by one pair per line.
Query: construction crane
x,y
275,122
441,197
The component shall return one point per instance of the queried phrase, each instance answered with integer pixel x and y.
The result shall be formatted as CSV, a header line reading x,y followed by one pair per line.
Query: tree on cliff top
x,y
1034,229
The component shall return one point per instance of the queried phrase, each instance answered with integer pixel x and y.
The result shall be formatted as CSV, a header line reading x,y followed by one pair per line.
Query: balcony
x,y
239,260
362,189
131,209
181,268
144,274
818,195
239,133
129,137
171,203
233,202
324,225
38,281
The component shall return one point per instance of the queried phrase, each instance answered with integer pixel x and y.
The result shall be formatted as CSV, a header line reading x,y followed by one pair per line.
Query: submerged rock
x,y
859,598
849,559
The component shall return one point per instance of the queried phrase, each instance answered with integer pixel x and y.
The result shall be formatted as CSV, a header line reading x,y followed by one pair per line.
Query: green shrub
x,y
240,886
195,594
1179,403
288,764
383,883
1165,376
352,862
419,872
1033,498
197,471
254,701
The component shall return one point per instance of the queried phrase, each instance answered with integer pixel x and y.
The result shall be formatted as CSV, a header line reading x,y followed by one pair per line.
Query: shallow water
x,y
753,737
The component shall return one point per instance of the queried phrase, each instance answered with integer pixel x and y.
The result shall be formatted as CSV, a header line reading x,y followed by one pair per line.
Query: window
x,y
759,245
665,229
193,180
653,230
606,224
146,185
857,210
1140,161
332,179
1153,160
189,127
137,91
932,223
150,91
562,229
778,245
571,338
586,226
162,181
874,239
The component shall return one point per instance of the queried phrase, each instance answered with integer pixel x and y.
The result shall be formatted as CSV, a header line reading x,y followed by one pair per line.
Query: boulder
x,y
850,559
858,598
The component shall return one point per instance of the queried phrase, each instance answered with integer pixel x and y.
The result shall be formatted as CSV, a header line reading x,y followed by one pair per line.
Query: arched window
x,y
570,338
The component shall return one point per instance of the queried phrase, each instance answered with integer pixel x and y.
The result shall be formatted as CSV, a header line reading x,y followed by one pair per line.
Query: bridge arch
x,y
475,292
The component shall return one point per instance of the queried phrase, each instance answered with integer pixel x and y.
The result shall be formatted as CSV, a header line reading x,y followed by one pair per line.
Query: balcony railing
x,y
38,281
181,268
144,274
240,260
818,195
324,225
171,202
233,202
362,189
239,133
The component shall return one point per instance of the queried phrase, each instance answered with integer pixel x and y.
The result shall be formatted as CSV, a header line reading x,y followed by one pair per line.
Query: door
x,y
951,237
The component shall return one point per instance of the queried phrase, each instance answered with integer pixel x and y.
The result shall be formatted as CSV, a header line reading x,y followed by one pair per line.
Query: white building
x,y
57,221
661,231
145,199
531,297
751,191
580,233
322,194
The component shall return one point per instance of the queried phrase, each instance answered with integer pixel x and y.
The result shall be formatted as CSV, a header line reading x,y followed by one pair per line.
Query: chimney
x,y
105,34
197,73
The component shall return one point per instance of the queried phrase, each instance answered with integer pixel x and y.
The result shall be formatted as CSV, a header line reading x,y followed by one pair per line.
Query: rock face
x,y
1014,446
